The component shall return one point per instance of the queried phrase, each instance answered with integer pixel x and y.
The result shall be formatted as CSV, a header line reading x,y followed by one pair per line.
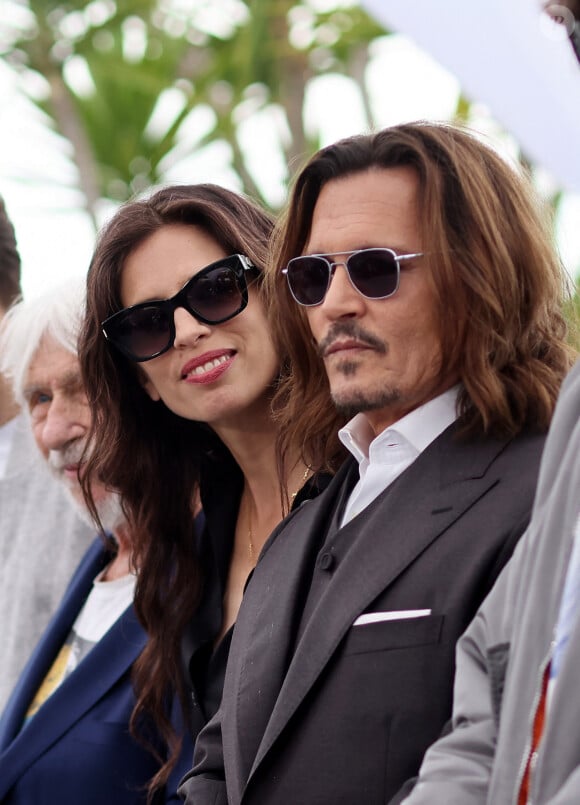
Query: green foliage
x,y
129,53
115,115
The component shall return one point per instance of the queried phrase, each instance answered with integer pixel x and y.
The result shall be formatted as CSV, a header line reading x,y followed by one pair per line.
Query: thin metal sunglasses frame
x,y
332,266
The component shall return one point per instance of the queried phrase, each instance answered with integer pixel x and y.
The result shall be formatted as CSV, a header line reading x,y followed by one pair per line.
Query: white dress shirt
x,y
383,458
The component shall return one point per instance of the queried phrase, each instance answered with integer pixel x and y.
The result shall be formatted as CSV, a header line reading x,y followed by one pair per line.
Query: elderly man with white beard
x,y
32,505
66,734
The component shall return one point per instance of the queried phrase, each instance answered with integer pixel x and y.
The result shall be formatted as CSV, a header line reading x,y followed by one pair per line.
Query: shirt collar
x,y
419,427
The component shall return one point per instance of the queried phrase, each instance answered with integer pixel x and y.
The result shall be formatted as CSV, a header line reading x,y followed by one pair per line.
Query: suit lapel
x,y
110,658
50,643
442,484
263,639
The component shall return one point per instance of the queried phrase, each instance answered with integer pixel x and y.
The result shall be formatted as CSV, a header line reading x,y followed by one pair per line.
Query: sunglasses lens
x,y
308,279
374,273
216,295
143,332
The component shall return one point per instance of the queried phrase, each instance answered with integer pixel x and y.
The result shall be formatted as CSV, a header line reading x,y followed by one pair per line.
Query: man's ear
x,y
147,384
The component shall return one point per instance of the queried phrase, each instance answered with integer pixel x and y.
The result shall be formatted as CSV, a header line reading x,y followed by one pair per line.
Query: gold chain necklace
x,y
251,550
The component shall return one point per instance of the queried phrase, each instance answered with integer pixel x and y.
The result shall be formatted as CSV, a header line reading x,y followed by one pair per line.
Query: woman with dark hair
x,y
180,368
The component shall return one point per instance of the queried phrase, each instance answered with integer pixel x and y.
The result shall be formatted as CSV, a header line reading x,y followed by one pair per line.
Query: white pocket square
x,y
396,615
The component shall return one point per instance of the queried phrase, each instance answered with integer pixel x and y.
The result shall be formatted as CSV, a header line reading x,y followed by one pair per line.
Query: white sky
x,y
55,236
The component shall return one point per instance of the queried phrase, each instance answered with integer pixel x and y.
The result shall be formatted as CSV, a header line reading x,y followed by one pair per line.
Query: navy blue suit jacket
x,y
77,747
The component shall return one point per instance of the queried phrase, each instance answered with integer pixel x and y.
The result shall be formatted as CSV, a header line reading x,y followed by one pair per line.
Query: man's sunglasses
x,y
373,272
215,294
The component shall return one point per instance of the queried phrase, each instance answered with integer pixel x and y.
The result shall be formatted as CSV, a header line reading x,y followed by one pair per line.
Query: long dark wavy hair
x,y
497,282
150,455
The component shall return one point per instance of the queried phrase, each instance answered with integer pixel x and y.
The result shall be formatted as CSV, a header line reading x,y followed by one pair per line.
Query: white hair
x,y
57,313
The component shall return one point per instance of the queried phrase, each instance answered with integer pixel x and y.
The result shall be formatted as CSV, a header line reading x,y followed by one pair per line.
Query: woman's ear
x,y
147,384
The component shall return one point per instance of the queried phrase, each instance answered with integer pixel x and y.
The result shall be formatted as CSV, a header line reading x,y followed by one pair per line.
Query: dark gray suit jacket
x,y
318,710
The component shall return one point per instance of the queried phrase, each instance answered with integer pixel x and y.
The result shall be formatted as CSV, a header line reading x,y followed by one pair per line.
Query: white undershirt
x,y
383,458
104,605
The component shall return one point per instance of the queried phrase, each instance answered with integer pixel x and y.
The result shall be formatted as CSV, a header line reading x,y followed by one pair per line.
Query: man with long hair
x,y
414,282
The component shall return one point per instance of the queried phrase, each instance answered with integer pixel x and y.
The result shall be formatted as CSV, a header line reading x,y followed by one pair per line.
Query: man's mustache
x,y
70,455
350,329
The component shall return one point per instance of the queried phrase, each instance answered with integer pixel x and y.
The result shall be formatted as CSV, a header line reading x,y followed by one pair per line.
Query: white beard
x,y
109,503
109,511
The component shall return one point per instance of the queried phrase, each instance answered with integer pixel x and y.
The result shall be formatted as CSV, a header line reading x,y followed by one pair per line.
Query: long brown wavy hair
x,y
150,455
497,281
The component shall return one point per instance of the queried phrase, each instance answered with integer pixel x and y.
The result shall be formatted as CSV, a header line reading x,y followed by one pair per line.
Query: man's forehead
x,y
366,209
52,365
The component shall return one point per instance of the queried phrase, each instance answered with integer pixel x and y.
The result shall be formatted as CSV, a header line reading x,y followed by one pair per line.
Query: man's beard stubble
x,y
358,400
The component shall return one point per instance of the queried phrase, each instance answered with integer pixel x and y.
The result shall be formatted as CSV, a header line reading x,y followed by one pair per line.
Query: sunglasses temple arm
x,y
401,257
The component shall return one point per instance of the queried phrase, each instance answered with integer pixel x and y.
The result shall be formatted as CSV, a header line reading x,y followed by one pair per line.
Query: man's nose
x,y
342,298
61,426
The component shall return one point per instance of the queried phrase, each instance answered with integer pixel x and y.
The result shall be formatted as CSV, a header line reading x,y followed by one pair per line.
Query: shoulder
x,y
527,443
521,453
459,457
517,466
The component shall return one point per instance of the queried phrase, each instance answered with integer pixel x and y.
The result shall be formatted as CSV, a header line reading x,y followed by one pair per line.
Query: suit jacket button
x,y
326,561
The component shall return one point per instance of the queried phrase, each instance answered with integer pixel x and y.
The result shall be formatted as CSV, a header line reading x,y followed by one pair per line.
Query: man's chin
x,y
352,401
350,405
110,512
75,495
108,506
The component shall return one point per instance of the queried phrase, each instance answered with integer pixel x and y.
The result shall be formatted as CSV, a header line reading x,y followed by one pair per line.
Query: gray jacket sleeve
x,y
569,793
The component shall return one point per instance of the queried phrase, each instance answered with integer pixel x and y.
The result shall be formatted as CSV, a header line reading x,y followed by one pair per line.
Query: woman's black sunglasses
x,y
215,294
373,272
